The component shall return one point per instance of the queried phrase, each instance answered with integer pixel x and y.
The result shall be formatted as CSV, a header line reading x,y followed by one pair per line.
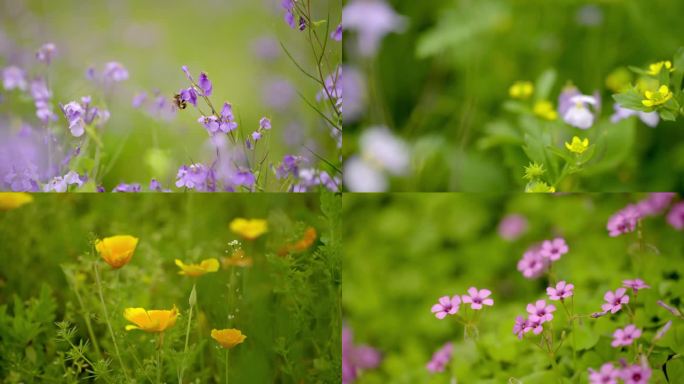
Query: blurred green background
x,y
404,251
458,59
153,39
287,306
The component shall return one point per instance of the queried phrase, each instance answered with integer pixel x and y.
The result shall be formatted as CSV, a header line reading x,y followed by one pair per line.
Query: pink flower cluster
x,y
614,300
538,313
625,336
441,358
538,257
626,219
561,291
450,305
629,374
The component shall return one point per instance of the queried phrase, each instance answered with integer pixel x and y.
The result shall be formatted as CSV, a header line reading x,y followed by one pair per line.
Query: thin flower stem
x,y
159,357
86,313
187,338
227,353
109,324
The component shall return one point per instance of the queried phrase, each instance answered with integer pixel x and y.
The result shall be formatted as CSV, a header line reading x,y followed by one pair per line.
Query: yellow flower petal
x,y
13,200
249,229
118,250
150,321
228,338
194,270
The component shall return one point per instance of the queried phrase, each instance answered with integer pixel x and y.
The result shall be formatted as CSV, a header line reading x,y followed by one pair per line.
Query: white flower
x,y
372,20
579,115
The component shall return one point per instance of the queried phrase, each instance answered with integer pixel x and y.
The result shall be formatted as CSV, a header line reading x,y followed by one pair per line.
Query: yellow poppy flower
x,y
194,270
12,200
150,321
228,338
237,259
577,146
117,250
521,90
661,96
250,229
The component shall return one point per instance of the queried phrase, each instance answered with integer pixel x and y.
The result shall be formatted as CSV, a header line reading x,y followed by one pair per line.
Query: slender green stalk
x,y
109,324
86,314
159,356
227,353
192,301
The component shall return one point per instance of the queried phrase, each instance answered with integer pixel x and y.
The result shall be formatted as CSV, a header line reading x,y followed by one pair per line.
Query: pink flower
x,y
446,306
540,312
478,298
672,310
636,374
655,203
606,375
533,325
532,264
553,249
614,300
512,226
625,336
635,284
562,291
441,358
623,221
676,216
519,326
663,330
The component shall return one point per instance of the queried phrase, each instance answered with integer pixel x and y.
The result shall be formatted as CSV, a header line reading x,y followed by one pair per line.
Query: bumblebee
x,y
179,102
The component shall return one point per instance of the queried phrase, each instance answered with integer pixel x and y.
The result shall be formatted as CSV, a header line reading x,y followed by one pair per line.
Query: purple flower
x,y
533,325
540,311
636,374
355,93
227,121
356,358
266,48
512,226
244,178
289,166
46,53
532,264
196,176
655,203
625,336
256,136
372,20
189,95
446,306
519,326
578,114
635,284
441,358
156,186
561,291
676,216
380,152
14,78
337,33
606,375
204,84
649,118
61,183
623,221
210,123
41,97
75,114
138,99
662,331
553,249
187,73
115,72
278,93
265,123
123,187
289,6
672,310
477,298
614,300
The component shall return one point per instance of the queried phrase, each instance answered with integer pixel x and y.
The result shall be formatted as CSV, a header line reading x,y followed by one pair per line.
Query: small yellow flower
x,y
521,90
577,146
150,321
117,250
249,229
13,200
544,109
228,338
656,98
534,171
619,79
539,187
237,259
655,68
194,270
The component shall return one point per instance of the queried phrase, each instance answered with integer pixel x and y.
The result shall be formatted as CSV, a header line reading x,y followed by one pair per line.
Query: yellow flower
x,y
194,270
228,338
521,90
250,229
544,109
656,98
534,171
619,80
655,68
117,250
577,146
12,200
150,321
237,259
539,187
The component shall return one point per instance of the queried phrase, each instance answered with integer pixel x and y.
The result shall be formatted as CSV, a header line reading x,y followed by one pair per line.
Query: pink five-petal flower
x,y
636,374
478,298
625,336
635,284
446,306
519,326
614,300
561,291
608,374
533,325
540,312
553,249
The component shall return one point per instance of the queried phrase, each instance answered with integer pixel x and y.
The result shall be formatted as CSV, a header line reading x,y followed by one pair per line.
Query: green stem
x,y
86,316
109,324
193,299
227,353
159,357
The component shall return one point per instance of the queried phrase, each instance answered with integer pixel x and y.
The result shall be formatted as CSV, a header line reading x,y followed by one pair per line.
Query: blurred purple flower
x,y
46,53
337,33
187,73
265,123
210,123
61,183
578,114
623,221
13,78
204,84
353,84
676,216
266,48
196,176
655,203
156,186
245,178
519,326
256,136
278,93
74,114
138,99
41,97
289,6
671,309
372,20
553,249
512,226
625,336
333,88
189,95
635,284
649,118
289,166
356,358
227,121
636,373
532,264
114,72
440,359
123,187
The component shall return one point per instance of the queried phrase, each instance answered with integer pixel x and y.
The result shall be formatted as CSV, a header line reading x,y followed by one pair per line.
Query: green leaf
x,y
585,337
544,83
630,99
667,115
613,145
675,369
